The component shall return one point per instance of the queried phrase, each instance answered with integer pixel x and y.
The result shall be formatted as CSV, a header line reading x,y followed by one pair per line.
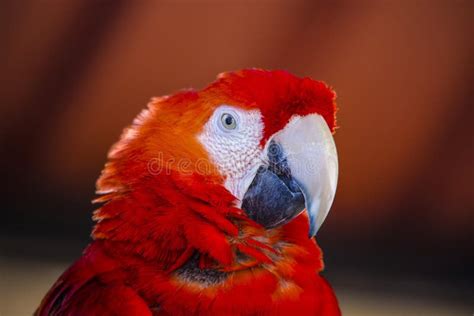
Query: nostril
x,y
275,152
277,162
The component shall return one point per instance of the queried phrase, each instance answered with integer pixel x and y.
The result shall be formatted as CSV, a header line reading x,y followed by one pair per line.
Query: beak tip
x,y
312,229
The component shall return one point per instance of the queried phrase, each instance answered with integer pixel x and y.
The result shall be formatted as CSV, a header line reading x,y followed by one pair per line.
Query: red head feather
x,y
278,95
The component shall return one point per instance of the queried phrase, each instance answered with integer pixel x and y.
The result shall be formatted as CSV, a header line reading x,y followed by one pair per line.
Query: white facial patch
x,y
232,139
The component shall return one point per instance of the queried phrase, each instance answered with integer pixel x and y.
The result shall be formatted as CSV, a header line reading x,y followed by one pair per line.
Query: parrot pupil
x,y
228,121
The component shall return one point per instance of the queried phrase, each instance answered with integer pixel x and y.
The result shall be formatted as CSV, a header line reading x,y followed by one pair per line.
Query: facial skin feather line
x,y
170,240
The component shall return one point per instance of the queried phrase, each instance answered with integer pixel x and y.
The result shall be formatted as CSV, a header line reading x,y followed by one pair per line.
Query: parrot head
x,y
257,143
272,142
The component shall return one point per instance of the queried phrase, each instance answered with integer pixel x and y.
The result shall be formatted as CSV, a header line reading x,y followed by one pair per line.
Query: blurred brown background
x,y
399,239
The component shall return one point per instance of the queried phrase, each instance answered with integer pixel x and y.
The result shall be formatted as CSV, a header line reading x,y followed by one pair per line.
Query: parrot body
x,y
202,208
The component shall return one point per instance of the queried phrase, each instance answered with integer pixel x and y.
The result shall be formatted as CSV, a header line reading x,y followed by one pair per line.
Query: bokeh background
x,y
399,239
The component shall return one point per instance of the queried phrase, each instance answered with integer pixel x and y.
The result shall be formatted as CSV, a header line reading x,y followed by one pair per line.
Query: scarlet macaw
x,y
203,204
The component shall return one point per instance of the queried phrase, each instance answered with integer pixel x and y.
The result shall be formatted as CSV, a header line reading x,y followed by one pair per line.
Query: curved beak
x,y
312,159
300,173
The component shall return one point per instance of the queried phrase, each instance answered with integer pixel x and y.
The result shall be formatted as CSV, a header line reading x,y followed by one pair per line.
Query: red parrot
x,y
206,204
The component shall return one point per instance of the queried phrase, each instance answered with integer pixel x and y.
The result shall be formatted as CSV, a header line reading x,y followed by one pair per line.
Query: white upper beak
x,y
312,158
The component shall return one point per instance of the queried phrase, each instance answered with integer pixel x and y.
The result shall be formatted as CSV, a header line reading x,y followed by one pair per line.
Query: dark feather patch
x,y
190,272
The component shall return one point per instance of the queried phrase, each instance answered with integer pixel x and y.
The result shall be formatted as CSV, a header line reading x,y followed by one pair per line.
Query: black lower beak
x,y
274,197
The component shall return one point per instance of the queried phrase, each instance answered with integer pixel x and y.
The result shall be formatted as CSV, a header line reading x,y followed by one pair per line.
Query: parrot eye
x,y
228,121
